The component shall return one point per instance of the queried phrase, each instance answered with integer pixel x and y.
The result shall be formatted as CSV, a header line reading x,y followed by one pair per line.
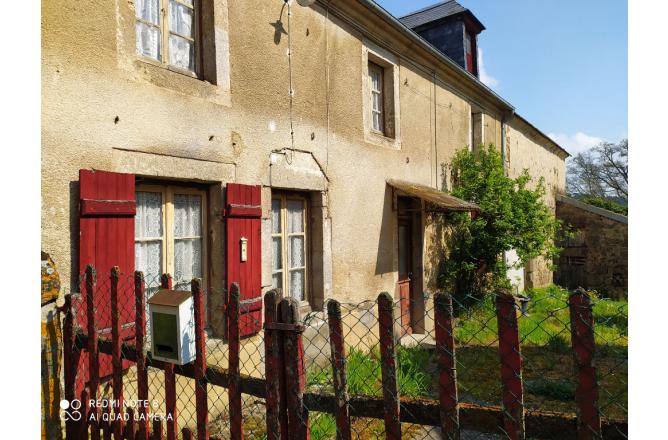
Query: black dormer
x,y
450,28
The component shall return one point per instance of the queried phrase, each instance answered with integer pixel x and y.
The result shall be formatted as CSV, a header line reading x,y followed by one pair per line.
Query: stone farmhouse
x,y
266,143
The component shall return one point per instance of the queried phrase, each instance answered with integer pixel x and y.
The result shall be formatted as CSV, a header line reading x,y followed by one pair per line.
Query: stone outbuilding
x,y
596,255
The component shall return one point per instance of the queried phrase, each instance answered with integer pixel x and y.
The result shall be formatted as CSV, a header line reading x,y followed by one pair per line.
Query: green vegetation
x,y
546,349
512,216
605,203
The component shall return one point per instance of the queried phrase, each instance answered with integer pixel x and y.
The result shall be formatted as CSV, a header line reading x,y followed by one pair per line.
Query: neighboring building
x,y
317,134
596,256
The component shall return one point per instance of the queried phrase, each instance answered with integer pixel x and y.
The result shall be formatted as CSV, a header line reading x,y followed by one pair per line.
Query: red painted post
x,y
201,403
187,434
93,362
272,369
116,362
170,381
234,391
130,425
157,430
295,379
107,425
69,367
582,339
511,366
447,379
142,370
388,364
82,427
338,358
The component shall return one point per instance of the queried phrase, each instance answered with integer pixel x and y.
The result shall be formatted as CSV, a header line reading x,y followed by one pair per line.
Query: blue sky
x,y
561,63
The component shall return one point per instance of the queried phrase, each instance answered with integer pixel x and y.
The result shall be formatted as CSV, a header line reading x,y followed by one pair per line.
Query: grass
x,y
546,348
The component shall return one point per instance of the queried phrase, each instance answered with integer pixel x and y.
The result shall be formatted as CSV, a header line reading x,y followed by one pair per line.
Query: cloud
x,y
576,143
485,77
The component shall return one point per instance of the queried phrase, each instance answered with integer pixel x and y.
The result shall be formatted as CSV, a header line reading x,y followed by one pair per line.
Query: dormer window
x,y
469,52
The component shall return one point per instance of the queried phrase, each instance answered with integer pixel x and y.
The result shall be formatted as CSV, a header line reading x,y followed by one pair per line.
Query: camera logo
x,y
70,410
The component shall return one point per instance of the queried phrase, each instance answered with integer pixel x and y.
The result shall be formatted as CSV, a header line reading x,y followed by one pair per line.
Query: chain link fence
x,y
552,379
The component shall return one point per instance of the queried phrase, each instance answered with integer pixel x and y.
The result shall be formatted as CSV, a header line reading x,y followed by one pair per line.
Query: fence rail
x,y
295,387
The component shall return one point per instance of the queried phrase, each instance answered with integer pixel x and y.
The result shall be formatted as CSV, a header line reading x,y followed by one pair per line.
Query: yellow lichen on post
x,y
51,351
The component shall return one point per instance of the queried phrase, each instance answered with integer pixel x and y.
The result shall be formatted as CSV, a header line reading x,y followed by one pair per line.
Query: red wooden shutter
x,y
244,216
106,239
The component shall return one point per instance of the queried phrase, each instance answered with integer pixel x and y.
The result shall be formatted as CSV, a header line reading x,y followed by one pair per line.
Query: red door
x,y
405,273
244,216
106,239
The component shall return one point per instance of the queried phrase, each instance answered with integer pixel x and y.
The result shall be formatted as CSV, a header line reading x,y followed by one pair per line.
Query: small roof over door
x,y
439,201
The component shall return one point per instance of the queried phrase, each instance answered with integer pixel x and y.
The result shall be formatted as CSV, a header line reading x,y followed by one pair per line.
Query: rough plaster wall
x,y
103,109
526,149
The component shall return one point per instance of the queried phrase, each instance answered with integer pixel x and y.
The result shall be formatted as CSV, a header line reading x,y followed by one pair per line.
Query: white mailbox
x,y
172,325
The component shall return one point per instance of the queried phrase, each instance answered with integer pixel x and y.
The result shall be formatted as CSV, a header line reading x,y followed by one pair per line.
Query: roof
x,y
437,12
173,298
593,209
438,198
425,45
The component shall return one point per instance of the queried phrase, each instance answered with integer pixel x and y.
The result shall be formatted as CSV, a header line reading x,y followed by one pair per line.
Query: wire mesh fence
x,y
373,369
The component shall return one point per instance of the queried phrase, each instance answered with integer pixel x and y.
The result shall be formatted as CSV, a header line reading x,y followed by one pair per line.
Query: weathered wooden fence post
x,y
511,365
170,381
93,360
388,356
338,358
140,337
447,380
272,368
116,362
201,403
234,344
157,430
582,338
69,367
130,426
295,380
187,434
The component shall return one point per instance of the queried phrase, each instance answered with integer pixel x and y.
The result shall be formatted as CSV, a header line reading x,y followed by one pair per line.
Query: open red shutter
x,y
106,239
244,216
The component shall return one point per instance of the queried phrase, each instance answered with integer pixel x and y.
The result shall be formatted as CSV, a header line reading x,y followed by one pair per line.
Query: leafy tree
x,y
600,172
512,216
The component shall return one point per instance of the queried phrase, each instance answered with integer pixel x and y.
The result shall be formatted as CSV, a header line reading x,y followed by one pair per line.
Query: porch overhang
x,y
437,201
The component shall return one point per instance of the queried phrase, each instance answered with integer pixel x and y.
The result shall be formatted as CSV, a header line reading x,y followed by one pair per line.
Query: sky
x,y
561,63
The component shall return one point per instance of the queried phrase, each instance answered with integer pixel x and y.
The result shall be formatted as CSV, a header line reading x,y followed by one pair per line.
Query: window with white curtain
x,y
376,88
166,32
289,260
169,234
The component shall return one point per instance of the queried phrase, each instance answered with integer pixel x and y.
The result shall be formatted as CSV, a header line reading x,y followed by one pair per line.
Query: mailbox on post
x,y
172,326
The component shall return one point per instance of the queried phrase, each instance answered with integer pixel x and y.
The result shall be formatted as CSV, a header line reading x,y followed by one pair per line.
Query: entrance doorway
x,y
409,238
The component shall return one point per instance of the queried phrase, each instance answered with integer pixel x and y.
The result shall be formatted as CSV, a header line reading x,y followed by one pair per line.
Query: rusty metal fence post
x,y
93,359
586,392
511,366
201,402
170,380
272,368
116,361
445,346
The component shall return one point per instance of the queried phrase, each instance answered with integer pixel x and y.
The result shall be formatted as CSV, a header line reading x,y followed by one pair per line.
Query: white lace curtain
x,y
149,30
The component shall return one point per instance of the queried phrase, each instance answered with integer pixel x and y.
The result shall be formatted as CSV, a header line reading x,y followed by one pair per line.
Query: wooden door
x,y
405,272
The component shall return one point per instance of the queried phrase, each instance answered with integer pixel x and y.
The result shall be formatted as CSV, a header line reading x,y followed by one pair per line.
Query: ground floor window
x,y
169,233
289,235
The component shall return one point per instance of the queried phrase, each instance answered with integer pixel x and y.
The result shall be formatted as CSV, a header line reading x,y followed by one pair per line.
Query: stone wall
x,y
598,260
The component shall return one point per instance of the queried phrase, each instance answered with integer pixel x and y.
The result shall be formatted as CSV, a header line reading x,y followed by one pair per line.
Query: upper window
x,y
288,245
166,32
377,98
169,234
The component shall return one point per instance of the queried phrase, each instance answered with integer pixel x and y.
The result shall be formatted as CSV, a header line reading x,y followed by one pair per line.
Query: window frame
x,y
381,95
285,235
168,239
165,32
